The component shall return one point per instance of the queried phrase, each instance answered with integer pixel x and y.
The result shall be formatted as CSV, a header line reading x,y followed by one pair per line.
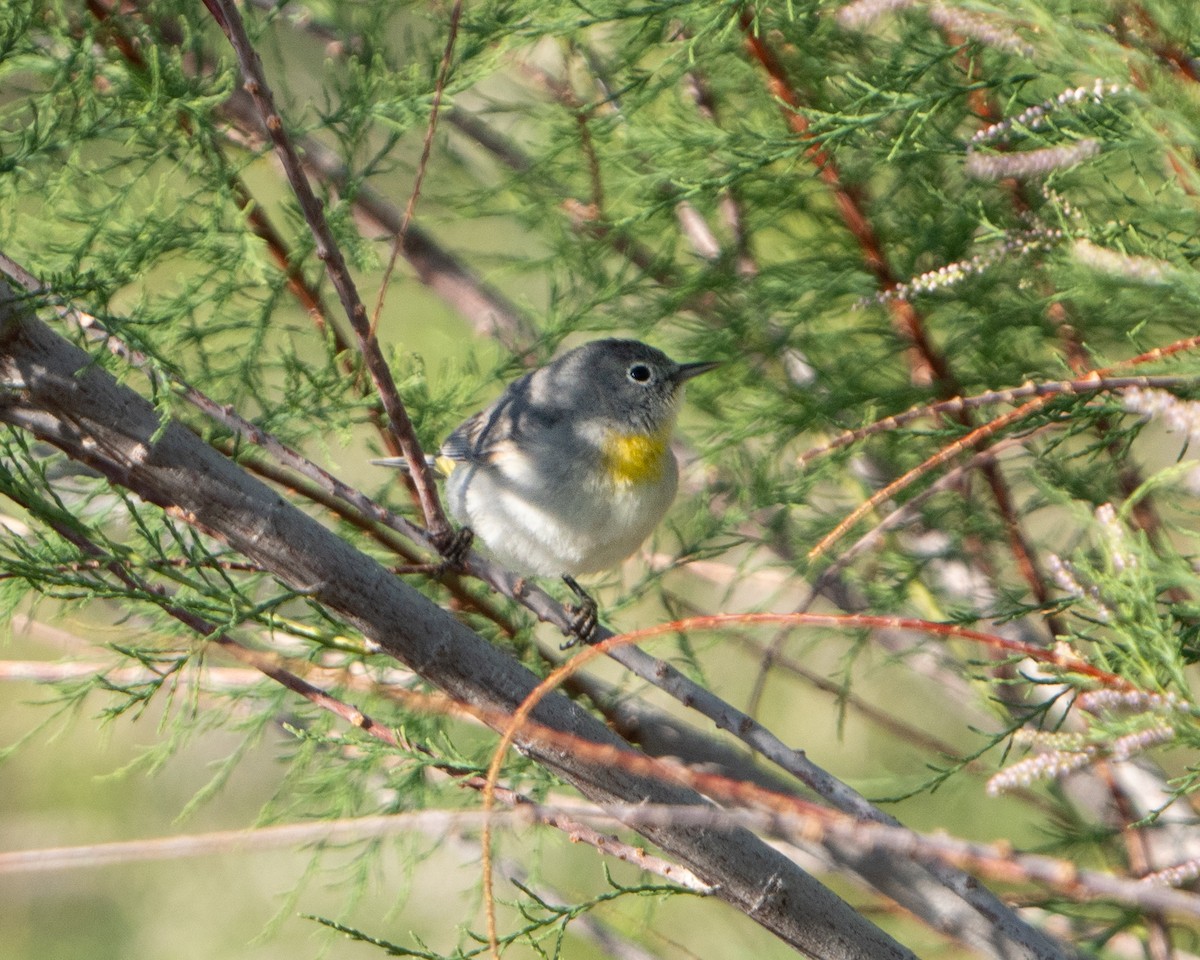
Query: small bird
x,y
570,469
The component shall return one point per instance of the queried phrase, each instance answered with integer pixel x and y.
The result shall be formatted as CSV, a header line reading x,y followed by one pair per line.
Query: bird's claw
x,y
584,616
454,547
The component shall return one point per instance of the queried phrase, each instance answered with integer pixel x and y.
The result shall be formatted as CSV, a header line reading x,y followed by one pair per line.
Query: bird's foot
x,y
454,546
584,618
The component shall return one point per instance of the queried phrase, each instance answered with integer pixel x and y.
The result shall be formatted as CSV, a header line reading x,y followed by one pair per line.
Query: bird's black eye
x,y
640,373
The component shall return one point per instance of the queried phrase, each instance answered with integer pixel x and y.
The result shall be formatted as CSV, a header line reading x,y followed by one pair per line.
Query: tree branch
x,y
66,400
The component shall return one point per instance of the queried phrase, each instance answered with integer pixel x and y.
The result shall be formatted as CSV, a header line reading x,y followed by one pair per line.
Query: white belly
x,y
559,525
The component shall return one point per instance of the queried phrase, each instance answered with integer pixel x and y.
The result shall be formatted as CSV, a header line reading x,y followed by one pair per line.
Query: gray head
x,y
625,382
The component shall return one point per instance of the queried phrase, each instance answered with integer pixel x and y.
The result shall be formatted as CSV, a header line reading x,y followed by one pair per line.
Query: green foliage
x,y
575,145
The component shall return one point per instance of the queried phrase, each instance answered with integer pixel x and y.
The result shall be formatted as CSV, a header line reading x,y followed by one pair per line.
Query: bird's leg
x,y
584,619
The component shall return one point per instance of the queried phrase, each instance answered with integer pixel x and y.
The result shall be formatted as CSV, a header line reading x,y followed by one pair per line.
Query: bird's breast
x,y
631,459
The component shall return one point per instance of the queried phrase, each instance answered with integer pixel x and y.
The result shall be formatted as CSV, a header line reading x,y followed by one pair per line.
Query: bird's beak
x,y
688,370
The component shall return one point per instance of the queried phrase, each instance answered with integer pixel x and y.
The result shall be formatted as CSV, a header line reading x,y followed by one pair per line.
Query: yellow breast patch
x,y
632,458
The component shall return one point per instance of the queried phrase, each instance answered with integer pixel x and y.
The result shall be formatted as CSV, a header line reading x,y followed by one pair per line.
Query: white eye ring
x,y
640,373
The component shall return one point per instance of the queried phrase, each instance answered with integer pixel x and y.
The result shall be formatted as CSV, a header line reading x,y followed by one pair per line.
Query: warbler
x,y
570,469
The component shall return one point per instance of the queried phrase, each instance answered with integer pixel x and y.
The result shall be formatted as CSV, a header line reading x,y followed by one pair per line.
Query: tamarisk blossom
x,y
1067,581
1073,755
957,23
1037,116
1030,164
949,274
1141,269
1042,766
1175,876
862,13
1178,416
1106,699
987,31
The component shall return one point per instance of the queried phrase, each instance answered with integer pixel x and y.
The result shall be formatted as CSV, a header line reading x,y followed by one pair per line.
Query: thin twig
x,y
978,436
1085,383
305,292
226,14
803,821
422,163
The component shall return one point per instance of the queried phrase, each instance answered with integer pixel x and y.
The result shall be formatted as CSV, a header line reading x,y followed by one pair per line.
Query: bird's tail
x,y
439,465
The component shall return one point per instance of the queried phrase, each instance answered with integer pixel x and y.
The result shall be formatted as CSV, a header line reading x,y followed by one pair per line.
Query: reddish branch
x,y
928,363
980,434
1133,24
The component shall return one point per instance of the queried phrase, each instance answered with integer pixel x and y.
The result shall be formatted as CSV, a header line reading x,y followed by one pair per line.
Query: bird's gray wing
x,y
482,436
